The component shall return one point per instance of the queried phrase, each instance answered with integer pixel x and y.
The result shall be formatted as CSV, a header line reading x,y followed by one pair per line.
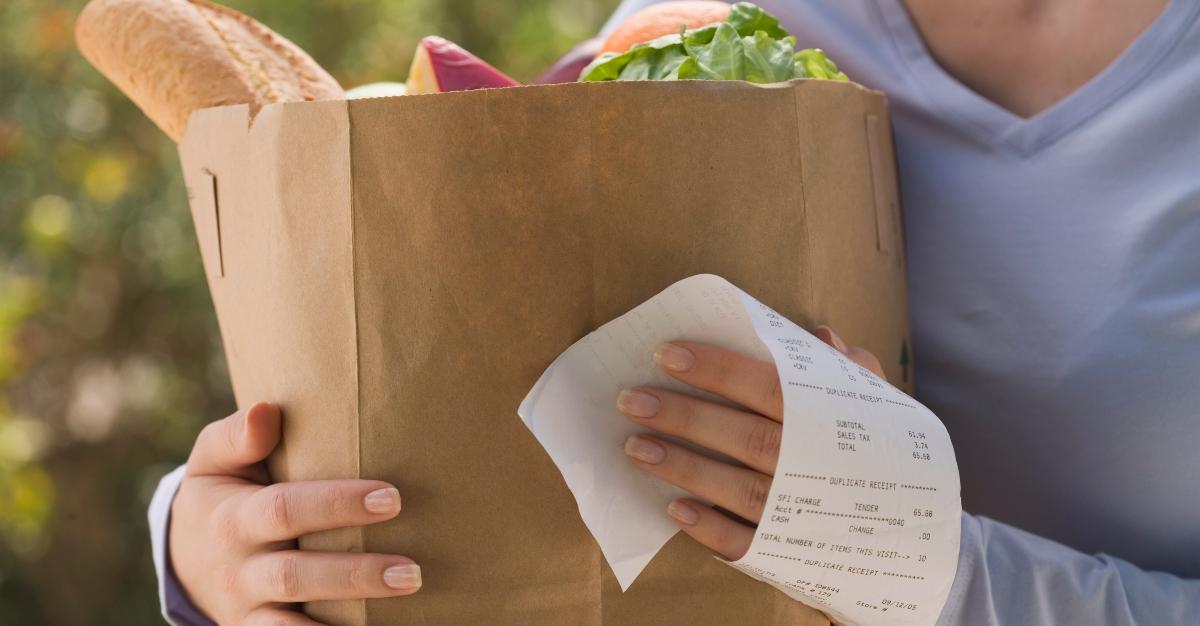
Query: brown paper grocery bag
x,y
397,272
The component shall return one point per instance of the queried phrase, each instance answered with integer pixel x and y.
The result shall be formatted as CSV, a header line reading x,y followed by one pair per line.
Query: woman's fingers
x,y
285,511
749,382
747,437
275,616
752,439
739,490
710,527
237,445
295,576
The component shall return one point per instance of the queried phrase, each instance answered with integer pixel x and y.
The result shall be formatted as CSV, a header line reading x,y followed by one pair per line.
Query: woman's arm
x,y
1005,576
176,608
1008,576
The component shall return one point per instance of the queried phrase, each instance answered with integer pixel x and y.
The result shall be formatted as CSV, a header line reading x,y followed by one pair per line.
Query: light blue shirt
x,y
1054,267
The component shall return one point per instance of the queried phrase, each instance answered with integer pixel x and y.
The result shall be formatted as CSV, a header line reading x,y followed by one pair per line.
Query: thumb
x,y
860,356
236,445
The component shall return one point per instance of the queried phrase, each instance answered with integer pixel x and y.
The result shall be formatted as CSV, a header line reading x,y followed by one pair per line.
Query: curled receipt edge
x,y
863,517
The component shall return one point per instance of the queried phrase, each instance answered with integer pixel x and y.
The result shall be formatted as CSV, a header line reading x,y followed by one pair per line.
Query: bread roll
x,y
172,57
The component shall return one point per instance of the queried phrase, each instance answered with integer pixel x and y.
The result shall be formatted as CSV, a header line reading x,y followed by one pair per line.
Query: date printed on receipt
x,y
863,516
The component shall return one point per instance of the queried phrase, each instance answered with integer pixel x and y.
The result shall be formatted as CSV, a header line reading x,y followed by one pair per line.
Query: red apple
x,y
440,66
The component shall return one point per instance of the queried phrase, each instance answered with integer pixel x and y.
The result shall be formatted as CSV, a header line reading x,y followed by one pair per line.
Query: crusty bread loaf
x,y
172,57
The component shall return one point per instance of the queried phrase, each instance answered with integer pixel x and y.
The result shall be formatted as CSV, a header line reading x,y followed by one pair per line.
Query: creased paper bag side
x,y
284,299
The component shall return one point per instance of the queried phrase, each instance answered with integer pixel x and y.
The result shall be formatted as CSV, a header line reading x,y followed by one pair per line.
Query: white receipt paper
x,y
862,520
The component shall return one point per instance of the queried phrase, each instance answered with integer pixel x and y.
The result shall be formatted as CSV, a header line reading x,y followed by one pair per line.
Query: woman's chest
x,y
1026,56
1056,316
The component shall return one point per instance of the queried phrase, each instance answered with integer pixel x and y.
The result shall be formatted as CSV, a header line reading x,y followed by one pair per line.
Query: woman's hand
x,y
751,435
232,535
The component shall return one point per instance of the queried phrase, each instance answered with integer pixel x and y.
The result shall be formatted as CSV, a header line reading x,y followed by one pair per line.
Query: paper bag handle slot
x,y
207,213
883,184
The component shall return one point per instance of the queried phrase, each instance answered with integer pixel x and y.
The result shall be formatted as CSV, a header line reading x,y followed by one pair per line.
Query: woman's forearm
x,y
1008,576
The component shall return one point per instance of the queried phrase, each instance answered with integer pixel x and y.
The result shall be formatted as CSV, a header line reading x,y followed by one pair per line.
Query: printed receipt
x,y
862,520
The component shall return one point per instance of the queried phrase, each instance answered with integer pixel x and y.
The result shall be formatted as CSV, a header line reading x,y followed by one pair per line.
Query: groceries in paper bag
x,y
493,227
172,57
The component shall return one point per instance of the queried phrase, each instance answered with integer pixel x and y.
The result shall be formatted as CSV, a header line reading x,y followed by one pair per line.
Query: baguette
x,y
172,57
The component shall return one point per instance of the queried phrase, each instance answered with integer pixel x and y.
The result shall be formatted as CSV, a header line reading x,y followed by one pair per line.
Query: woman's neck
x,y
1026,55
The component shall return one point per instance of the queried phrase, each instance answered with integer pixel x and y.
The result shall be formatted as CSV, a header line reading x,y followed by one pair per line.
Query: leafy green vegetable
x,y
814,64
748,19
749,45
719,59
654,60
771,60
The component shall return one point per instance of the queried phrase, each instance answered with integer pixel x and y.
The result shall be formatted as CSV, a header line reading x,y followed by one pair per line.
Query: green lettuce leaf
x,y
748,19
719,59
653,60
749,45
812,63
769,60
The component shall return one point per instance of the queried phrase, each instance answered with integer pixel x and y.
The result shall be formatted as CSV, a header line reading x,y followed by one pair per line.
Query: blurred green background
x,y
110,359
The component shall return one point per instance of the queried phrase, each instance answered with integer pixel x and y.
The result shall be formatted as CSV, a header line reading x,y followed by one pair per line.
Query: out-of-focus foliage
x,y
110,358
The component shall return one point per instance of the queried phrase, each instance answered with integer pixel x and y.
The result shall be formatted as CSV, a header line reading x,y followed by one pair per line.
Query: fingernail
x,y
404,576
674,358
683,513
243,427
637,403
644,450
385,500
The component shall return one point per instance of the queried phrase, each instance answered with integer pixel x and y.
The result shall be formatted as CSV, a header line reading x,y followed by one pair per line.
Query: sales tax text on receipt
x,y
862,520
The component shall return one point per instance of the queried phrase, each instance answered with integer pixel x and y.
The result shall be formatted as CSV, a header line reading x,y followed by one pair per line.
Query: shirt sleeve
x,y
1008,576
176,608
